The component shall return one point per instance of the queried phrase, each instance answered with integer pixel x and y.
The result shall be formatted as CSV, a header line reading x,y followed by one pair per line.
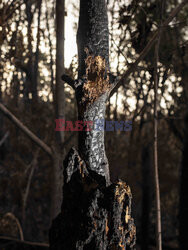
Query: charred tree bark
x,y
95,214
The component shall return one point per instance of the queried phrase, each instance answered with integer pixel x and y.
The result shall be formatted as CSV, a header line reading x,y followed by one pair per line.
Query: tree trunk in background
x,y
183,211
57,171
36,56
146,195
59,91
184,192
29,67
51,51
155,137
2,132
1,117
95,214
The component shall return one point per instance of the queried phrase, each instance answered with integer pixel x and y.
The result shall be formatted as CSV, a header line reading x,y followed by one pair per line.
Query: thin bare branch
x,y
68,80
13,217
28,132
26,193
4,138
155,143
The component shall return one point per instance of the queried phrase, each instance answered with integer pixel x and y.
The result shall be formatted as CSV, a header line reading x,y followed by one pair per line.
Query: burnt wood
x,y
95,214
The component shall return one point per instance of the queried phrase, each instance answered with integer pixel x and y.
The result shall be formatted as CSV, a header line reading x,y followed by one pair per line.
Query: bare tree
x,y
156,174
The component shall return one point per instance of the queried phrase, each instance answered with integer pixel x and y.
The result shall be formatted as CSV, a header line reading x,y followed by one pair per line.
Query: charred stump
x,y
95,213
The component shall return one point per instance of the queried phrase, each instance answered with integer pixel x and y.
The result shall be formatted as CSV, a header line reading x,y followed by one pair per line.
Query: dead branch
x,y
155,143
13,217
26,131
4,138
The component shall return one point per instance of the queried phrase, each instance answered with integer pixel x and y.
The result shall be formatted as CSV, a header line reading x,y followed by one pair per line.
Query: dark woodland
x,y
94,189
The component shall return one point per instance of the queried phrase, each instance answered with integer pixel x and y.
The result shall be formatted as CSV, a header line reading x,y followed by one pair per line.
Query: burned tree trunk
x,y
95,214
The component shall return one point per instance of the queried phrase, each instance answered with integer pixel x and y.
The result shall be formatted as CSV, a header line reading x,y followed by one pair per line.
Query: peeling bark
x,y
95,213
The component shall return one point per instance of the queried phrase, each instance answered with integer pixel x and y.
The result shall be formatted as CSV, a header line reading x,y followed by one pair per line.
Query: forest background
x,y
28,88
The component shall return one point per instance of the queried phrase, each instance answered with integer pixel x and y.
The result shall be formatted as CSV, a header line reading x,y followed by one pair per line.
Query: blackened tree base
x,y
94,216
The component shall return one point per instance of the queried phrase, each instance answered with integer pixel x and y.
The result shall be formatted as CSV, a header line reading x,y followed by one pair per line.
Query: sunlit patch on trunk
x,y
97,78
